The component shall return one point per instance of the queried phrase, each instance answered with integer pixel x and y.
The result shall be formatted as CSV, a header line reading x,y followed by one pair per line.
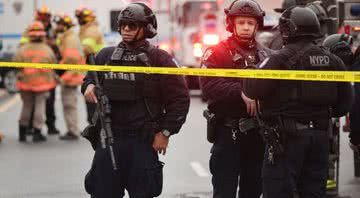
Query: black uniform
x,y
355,110
303,166
136,100
234,153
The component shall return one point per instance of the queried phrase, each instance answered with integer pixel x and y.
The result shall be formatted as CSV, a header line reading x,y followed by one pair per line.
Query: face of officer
x,y
131,31
245,27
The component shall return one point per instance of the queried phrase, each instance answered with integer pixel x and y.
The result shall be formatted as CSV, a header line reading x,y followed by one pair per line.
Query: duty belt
x,y
242,124
312,124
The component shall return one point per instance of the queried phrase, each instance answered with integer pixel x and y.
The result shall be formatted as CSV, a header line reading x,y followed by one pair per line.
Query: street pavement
x,y
56,168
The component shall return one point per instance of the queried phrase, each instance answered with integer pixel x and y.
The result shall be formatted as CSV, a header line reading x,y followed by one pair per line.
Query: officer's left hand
x,y
250,104
160,143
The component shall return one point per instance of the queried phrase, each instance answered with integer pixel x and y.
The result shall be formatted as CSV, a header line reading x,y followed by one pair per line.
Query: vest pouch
x,y
318,93
152,87
121,90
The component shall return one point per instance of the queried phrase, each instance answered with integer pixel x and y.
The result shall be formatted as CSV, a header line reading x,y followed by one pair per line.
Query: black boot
x,y
38,137
52,130
22,133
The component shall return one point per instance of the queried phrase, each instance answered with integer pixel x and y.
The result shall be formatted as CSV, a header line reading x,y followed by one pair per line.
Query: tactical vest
x,y
315,93
134,86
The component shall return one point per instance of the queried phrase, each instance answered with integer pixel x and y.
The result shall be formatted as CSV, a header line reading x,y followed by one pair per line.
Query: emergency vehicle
x,y
349,18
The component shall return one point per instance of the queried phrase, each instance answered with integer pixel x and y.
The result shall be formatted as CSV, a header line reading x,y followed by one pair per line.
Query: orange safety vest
x,y
32,79
70,49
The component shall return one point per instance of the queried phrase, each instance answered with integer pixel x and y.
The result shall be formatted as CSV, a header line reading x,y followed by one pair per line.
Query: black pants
x,y
236,164
303,167
50,109
139,171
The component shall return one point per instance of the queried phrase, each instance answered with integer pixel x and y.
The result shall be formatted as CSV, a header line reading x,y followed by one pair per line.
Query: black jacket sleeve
x,y
175,96
355,109
261,88
101,58
219,89
345,94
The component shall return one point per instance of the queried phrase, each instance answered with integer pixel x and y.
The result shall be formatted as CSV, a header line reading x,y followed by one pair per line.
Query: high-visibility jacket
x,y
32,79
71,53
91,38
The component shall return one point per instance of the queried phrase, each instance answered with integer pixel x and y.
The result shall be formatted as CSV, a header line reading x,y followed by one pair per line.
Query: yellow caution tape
x,y
338,76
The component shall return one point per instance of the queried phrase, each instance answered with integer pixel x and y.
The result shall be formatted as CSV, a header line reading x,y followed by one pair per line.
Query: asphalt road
x,y
56,168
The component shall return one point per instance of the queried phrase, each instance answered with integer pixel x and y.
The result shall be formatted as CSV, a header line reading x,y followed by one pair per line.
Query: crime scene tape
x,y
336,76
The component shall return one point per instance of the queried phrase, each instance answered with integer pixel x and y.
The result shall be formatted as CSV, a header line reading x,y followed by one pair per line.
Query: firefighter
x,y
43,15
70,48
34,84
91,40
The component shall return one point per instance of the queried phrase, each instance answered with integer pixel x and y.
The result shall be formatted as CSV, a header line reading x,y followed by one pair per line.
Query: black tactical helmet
x,y
333,39
297,22
319,10
285,5
142,14
341,46
247,8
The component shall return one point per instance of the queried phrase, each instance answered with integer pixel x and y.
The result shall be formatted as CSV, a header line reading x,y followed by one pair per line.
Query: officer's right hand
x,y
90,94
250,105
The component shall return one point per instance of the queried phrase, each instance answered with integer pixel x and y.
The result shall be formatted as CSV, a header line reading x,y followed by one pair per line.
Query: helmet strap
x,y
135,40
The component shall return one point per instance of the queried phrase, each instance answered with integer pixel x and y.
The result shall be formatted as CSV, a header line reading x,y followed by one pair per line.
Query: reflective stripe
x,y
330,184
72,78
74,53
99,47
24,40
37,80
92,43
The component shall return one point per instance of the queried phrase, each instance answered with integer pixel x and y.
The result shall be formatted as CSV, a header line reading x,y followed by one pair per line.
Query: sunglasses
x,y
131,25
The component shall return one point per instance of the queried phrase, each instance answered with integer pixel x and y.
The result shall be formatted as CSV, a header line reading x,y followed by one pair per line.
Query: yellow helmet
x,y
63,18
84,15
43,14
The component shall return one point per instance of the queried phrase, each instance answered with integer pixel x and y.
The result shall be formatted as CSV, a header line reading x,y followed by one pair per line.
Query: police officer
x,y
235,152
146,110
296,114
355,114
321,13
341,46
